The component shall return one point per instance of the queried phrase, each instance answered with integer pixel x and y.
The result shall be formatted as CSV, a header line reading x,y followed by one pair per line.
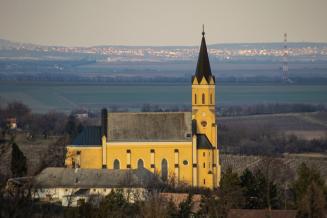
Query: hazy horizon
x,y
161,23
147,45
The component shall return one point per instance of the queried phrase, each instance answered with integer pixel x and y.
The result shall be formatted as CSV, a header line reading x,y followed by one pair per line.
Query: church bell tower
x,y
204,123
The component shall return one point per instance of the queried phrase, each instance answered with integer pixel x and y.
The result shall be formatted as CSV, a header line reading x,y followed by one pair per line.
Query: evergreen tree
x,y
267,192
210,205
231,195
172,211
18,162
113,205
306,176
250,190
185,207
312,204
259,193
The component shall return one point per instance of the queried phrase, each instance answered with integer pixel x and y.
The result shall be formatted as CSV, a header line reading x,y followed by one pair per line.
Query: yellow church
x,y
175,145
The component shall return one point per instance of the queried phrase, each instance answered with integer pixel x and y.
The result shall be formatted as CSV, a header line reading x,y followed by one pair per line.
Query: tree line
x,y
263,189
274,108
51,123
241,110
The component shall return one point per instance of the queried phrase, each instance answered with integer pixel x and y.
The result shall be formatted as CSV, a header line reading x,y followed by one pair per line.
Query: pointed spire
x,y
203,30
203,66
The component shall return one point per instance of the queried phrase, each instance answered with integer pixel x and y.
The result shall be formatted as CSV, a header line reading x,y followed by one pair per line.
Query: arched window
x,y
116,165
140,164
194,98
164,170
210,98
203,99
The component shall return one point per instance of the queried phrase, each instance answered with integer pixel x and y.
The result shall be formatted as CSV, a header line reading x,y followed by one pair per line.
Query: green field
x,y
45,96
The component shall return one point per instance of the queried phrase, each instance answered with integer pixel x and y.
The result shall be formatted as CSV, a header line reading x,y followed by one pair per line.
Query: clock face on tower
x,y
204,123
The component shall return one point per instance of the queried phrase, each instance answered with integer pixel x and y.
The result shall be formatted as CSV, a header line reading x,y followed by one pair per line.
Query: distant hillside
x,y
109,53
8,44
272,45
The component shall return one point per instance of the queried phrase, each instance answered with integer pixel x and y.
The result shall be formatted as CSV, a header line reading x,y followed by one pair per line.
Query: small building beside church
x,y
71,187
179,146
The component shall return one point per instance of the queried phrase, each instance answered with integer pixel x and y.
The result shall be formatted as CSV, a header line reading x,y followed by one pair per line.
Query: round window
x,y
204,123
185,162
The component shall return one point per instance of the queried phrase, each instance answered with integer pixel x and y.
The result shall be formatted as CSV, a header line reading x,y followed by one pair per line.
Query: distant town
x,y
304,50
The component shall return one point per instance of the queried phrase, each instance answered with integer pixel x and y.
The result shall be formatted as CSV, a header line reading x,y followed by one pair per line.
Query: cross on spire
x,y
203,30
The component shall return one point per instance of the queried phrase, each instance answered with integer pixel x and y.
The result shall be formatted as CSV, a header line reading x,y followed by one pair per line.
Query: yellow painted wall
x,y
162,150
89,157
92,157
204,112
205,172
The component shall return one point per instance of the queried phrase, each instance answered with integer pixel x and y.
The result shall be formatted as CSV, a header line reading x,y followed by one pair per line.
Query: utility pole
x,y
285,60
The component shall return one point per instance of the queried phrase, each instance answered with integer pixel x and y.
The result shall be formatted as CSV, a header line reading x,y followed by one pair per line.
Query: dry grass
x,y
35,152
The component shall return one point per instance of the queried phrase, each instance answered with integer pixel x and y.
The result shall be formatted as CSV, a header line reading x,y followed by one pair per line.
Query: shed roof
x,y
57,177
90,136
150,126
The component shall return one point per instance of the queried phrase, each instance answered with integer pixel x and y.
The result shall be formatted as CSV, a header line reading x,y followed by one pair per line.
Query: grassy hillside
x,y
307,125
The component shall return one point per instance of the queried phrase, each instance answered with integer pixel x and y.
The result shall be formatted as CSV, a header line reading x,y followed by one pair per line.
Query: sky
x,y
161,22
